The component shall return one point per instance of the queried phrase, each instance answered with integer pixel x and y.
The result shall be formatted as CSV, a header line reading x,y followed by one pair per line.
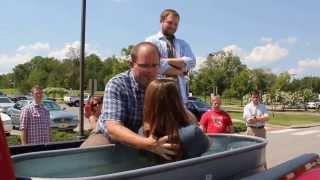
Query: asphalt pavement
x,y
285,144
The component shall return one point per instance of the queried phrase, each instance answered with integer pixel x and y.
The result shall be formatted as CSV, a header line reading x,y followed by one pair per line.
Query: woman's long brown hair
x,y
164,112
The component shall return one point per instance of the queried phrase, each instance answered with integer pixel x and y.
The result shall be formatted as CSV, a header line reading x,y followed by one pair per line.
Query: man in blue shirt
x,y
122,110
176,55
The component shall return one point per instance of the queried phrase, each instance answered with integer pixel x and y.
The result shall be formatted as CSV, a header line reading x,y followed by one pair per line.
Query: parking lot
x,y
70,109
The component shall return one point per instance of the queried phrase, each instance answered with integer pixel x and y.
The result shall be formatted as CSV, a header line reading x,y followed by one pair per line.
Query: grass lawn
x,y
286,118
9,91
56,136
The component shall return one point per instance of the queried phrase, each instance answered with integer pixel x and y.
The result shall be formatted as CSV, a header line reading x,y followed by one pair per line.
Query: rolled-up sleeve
x,y
246,113
264,110
164,66
188,56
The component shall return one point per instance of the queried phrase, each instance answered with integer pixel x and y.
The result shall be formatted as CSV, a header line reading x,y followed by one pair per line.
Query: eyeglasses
x,y
147,66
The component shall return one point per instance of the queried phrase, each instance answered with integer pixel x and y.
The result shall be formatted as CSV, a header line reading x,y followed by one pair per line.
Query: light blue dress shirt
x,y
183,51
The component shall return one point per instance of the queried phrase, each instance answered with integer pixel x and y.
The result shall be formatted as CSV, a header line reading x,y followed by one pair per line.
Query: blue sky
x,y
279,35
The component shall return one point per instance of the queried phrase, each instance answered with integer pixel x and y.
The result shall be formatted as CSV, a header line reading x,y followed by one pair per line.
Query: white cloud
x,y
38,46
270,52
266,40
22,54
7,62
71,49
295,71
235,49
306,67
259,55
199,63
309,63
25,53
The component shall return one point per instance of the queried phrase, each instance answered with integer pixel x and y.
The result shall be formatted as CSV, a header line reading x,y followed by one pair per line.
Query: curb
x,y
304,126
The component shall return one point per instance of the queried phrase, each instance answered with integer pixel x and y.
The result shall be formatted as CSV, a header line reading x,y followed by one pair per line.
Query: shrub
x,y
13,140
55,92
239,126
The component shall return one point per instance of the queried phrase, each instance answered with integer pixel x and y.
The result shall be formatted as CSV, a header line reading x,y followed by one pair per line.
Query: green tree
x,y
282,82
241,85
217,71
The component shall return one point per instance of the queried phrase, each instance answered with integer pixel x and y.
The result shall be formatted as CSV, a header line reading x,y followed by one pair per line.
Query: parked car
x,y
194,98
18,98
7,123
59,118
75,100
312,105
5,103
197,107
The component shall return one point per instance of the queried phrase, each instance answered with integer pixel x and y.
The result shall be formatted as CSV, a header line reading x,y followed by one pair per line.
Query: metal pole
x,y
82,54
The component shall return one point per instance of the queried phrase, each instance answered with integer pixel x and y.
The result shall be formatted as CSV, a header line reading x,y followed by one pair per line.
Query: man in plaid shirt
x,y
122,110
35,120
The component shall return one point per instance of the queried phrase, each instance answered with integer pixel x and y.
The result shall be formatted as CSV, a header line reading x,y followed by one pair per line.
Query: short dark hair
x,y
165,13
136,48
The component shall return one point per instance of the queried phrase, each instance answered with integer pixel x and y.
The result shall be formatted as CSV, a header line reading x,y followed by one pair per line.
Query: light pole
x,y
82,54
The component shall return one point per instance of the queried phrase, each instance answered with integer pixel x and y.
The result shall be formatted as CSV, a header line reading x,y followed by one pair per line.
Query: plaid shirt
x,y
123,101
35,120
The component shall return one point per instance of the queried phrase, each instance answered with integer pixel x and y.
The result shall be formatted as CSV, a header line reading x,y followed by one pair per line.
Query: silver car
x,y
59,118
5,103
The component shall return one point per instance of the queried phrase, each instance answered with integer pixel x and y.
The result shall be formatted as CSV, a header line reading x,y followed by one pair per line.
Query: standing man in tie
x,y
255,115
176,55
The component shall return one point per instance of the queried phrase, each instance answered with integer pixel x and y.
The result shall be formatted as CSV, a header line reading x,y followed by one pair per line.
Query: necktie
x,y
170,46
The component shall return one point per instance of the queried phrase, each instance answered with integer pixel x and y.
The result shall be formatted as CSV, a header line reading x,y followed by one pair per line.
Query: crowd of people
x,y
145,107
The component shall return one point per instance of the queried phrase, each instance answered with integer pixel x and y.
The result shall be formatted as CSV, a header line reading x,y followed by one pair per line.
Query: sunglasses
x,y
96,104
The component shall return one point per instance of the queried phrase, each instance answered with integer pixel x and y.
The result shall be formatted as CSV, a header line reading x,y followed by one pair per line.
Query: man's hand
x,y
253,120
122,134
161,147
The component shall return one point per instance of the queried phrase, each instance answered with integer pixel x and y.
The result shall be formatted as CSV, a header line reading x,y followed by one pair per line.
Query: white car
x,y
7,123
5,103
311,105
75,100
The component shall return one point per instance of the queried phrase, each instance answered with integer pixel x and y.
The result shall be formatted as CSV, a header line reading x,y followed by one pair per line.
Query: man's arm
x,y
176,62
23,124
248,116
23,136
263,118
204,122
120,133
229,128
252,120
171,71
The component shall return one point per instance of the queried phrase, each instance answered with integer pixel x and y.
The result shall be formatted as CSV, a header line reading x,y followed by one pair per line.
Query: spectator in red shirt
x,y
216,120
93,110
